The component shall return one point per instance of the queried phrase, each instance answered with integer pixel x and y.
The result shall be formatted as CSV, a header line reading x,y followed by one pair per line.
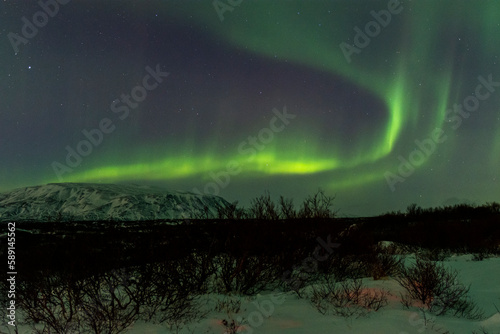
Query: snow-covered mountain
x,y
89,201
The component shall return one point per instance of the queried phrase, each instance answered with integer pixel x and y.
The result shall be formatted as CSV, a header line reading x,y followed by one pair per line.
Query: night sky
x,y
381,103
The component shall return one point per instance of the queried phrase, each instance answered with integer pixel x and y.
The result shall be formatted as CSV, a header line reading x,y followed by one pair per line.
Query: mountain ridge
x,y
96,201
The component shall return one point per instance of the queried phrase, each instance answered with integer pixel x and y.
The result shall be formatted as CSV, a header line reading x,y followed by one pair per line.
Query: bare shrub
x,y
287,209
231,327
343,267
413,211
296,280
406,300
169,298
231,211
52,302
434,254
347,298
385,265
437,289
59,303
11,329
482,254
263,207
110,303
204,213
178,311
318,206
228,305
245,274
196,270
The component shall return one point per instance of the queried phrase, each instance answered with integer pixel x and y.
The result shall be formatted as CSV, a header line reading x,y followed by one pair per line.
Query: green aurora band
x,y
411,66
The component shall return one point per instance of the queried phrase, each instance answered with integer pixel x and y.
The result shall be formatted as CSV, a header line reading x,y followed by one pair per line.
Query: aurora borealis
x,y
218,117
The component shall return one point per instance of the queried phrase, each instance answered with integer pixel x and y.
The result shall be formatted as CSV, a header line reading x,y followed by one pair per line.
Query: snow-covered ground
x,y
286,313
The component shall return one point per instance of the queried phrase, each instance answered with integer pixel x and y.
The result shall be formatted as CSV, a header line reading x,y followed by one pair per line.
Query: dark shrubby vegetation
x,y
246,275
461,229
71,273
109,302
437,289
347,298
318,206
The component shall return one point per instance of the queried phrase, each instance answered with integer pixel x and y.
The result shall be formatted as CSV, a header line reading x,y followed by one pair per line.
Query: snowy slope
x,y
286,313
87,201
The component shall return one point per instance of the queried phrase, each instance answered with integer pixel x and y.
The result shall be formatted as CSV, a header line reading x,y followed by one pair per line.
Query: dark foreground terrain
x,y
83,247
119,272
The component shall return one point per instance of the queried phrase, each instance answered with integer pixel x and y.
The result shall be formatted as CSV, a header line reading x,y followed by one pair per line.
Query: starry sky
x,y
380,103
